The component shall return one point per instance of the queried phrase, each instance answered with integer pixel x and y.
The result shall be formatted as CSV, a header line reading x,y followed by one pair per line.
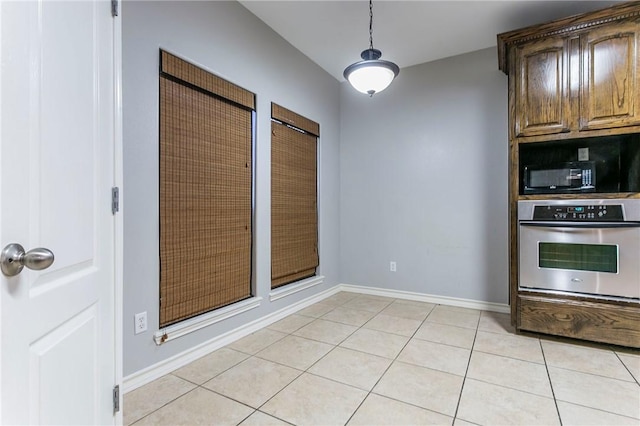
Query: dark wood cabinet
x,y
574,82
541,87
580,319
609,89
578,82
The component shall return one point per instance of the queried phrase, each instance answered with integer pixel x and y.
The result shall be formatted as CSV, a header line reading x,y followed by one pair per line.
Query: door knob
x,y
13,259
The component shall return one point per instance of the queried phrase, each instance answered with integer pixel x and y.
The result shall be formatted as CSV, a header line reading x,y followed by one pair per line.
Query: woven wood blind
x,y
180,69
294,213
296,120
205,201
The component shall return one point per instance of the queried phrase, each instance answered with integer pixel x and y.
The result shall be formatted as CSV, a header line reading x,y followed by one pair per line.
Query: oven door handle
x,y
588,225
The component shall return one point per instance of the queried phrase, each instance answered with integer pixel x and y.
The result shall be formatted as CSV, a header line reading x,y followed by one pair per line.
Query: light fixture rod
x,y
371,24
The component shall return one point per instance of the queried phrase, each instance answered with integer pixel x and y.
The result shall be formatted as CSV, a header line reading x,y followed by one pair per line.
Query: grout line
x,y
555,401
163,405
636,379
464,379
387,369
510,357
307,369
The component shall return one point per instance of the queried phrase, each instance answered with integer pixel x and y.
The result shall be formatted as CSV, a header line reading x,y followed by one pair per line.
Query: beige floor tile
x,y
520,347
434,390
425,305
349,316
602,362
376,297
316,310
455,317
259,418
257,341
436,356
368,304
603,393
326,331
291,323
209,366
148,398
199,407
375,342
460,422
488,404
511,373
339,299
393,324
313,400
576,415
380,411
412,311
459,309
632,362
253,381
447,334
351,368
296,352
495,322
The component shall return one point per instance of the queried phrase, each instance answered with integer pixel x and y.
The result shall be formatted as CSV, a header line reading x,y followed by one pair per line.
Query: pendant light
x,y
372,74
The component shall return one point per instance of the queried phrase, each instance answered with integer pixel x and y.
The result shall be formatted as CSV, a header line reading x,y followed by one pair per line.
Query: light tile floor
x,y
367,360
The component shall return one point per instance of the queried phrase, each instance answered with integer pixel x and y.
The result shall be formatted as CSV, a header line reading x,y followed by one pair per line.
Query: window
x,y
294,207
205,190
578,257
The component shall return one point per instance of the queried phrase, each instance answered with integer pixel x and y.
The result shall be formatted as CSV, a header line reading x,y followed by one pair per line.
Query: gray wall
x,y
231,42
423,169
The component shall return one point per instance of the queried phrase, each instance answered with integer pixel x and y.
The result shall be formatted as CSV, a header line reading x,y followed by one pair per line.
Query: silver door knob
x,y
13,259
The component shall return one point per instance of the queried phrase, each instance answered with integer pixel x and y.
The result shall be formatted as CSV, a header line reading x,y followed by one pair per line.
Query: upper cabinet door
x,y
542,91
610,91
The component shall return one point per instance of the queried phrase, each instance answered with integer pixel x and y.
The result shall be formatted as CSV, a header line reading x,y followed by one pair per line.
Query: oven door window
x,y
580,257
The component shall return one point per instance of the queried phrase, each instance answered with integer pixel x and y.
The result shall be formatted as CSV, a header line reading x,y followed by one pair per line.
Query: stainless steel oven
x,y
589,247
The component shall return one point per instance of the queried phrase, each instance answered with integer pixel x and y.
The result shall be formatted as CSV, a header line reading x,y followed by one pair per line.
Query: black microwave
x,y
571,177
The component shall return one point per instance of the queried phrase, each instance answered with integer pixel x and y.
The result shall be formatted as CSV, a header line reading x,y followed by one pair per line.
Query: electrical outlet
x,y
140,322
583,154
392,266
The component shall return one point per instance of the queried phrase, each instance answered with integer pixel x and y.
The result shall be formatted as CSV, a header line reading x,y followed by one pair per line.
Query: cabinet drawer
x,y
598,322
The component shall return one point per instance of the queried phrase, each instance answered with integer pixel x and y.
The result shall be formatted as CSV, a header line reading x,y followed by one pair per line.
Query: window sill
x,y
290,289
193,324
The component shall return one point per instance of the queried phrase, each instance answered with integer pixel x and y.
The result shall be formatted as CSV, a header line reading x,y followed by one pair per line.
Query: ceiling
x,y
332,33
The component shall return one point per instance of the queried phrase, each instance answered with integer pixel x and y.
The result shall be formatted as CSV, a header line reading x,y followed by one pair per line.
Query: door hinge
x,y
116,399
115,200
114,8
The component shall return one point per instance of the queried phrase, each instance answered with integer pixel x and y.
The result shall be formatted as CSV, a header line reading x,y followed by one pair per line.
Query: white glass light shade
x,y
371,79
372,75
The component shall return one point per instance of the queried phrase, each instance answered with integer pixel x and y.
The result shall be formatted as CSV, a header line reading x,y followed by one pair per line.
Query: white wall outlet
x,y
583,154
392,266
140,322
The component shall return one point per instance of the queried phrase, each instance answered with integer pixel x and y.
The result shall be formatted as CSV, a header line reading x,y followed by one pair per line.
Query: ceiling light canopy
x,y
372,74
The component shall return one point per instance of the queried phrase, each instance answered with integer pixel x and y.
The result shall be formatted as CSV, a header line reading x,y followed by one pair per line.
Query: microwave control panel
x,y
580,213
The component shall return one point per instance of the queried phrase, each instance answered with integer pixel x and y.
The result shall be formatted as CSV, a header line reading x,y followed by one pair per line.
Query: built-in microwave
x,y
570,177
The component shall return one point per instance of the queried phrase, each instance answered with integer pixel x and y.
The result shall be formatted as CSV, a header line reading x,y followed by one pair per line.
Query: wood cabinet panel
x,y
573,78
598,322
542,97
610,95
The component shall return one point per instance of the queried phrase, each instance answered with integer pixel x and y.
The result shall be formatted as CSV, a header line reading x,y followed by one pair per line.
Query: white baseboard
x,y
421,297
151,373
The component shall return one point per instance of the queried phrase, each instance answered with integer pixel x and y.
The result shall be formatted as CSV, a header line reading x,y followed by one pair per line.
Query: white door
x,y
57,119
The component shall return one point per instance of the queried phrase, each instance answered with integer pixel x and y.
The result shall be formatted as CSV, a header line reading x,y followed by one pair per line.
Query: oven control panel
x,y
580,213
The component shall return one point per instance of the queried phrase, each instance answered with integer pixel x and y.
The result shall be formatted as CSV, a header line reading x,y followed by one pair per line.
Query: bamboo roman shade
x,y
294,212
205,191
